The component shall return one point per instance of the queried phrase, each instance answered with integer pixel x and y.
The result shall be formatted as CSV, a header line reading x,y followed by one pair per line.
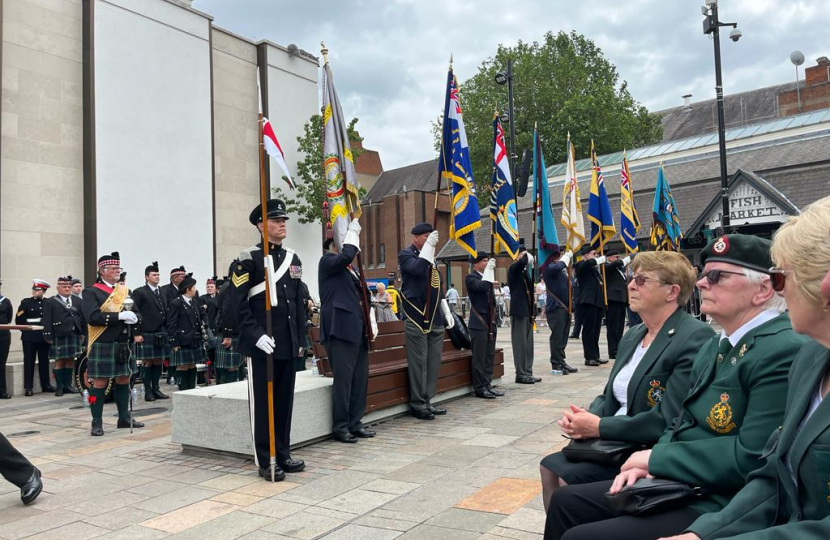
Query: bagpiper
x,y
151,346
63,330
184,329
228,360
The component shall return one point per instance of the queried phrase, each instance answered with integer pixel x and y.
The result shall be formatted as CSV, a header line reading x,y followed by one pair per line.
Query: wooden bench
x,y
388,381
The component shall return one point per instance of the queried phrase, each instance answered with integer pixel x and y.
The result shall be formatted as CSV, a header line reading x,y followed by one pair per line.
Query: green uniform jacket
x,y
772,505
733,406
659,383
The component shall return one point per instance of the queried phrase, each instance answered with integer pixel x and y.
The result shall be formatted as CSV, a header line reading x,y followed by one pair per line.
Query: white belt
x,y
272,276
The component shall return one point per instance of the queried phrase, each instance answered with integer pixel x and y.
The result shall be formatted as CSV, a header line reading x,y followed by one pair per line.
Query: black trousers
x,y
579,512
591,324
13,465
614,325
35,350
5,342
559,322
577,322
350,365
484,350
284,376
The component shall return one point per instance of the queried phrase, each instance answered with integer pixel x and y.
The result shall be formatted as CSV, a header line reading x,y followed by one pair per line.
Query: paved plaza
x,y
471,474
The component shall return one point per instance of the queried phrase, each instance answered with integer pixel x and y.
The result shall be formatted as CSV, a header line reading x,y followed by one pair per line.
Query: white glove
x,y
567,257
265,344
128,317
353,234
489,273
373,320
449,320
601,259
626,260
432,239
428,251
529,260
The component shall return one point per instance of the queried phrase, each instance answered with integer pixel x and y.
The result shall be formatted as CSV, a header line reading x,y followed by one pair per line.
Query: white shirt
x,y
452,295
623,378
186,299
765,316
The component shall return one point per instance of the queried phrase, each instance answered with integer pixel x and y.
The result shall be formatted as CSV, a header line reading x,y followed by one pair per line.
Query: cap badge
x,y
721,246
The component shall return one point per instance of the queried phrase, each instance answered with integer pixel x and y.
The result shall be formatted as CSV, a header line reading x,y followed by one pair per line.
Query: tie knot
x,y
723,348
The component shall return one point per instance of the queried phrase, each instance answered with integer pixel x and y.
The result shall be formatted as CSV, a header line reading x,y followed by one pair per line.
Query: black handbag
x,y
600,451
459,334
649,495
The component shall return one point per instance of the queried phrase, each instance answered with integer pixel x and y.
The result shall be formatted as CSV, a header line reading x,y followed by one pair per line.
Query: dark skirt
x,y
183,357
65,347
147,350
101,362
578,472
228,358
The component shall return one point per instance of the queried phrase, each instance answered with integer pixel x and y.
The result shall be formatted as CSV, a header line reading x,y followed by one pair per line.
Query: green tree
x,y
564,84
307,199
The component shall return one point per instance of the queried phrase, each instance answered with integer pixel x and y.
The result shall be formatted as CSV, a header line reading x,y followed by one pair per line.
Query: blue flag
x,y
665,229
629,220
505,221
455,167
599,210
547,239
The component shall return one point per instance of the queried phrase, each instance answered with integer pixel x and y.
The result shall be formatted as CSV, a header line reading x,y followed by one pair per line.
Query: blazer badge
x,y
720,416
655,393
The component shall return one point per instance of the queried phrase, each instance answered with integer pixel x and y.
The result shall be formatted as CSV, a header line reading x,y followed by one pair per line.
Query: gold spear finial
x,y
325,53
450,60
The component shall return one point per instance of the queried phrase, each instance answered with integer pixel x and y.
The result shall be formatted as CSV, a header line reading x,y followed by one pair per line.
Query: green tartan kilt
x,y
187,356
101,362
65,347
147,351
228,358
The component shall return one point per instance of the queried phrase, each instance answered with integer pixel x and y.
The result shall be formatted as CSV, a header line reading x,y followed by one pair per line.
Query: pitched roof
x,y
418,177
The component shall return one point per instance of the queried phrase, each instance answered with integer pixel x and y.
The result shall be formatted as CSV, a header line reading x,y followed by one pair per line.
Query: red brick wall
x,y
815,94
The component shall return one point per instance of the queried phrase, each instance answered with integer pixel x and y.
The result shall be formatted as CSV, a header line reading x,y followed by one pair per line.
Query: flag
x,y
547,239
341,179
629,220
273,148
571,206
454,166
599,211
665,228
505,221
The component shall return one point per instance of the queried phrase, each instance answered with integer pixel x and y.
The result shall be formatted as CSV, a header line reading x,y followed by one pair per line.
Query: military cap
x,y
152,267
186,283
275,208
422,228
212,280
612,252
741,250
75,281
179,270
586,249
113,259
480,256
40,284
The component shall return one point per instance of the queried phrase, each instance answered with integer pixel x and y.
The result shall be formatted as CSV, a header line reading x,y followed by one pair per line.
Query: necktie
x,y
156,291
723,348
69,303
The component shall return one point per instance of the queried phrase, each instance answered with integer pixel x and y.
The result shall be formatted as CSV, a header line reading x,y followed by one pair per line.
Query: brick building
x,y
814,95
367,166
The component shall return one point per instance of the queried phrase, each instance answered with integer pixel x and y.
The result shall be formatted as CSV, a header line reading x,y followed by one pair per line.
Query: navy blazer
x,y
60,321
590,283
521,289
556,282
341,311
480,293
615,282
152,308
415,274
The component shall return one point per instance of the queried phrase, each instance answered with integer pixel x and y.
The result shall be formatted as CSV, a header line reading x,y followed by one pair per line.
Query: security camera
x,y
735,35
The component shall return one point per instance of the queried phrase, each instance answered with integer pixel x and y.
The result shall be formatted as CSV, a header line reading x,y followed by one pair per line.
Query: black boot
x,y
97,428
156,377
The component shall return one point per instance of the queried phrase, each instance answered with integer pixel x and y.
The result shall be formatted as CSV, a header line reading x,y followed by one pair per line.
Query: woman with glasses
x,y
789,497
649,377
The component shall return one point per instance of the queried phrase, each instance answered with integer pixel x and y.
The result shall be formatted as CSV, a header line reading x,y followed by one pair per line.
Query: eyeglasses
x,y
641,280
714,276
778,278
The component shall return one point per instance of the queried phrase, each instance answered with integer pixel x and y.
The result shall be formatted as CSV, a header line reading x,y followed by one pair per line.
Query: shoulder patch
x,y
240,279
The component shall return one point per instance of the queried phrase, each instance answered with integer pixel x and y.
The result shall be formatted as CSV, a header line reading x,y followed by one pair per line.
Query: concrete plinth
x,y
14,378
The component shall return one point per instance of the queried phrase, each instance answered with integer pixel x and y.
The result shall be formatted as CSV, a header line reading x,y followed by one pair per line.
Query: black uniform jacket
x,y
184,324
590,283
169,292
94,298
340,297
416,275
209,309
59,320
226,319
659,383
30,312
480,293
152,309
6,315
615,282
521,289
288,317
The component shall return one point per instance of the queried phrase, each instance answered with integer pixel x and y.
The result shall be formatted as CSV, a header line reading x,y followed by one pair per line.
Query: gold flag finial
x,y
569,136
325,53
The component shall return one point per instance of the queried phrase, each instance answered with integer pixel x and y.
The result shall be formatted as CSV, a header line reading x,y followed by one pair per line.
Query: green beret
x,y
741,250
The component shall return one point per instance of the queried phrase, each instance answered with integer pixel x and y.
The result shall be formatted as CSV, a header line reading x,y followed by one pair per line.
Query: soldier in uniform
x,y
34,346
288,318
617,288
228,360
482,324
209,309
78,288
108,349
63,330
18,470
151,345
590,304
185,332
6,314
522,315
424,327
557,310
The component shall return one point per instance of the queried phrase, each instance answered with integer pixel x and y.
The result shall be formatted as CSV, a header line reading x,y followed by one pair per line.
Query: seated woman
x,y
737,399
650,375
789,498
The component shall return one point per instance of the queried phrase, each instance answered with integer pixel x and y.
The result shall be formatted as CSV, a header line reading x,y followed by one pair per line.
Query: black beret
x,y
741,250
612,252
480,256
275,208
153,267
186,283
76,281
422,228
586,249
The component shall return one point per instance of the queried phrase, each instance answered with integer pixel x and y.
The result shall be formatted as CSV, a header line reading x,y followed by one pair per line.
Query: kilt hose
x,y
101,362
65,347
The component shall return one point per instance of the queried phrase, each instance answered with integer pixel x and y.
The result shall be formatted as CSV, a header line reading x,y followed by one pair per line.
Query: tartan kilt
x,y
148,351
187,356
65,347
228,358
101,362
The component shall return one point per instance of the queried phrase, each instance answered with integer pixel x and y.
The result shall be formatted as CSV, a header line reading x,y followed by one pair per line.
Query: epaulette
x,y
245,254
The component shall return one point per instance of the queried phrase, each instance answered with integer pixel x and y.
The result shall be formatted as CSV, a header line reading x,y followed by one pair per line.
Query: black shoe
x,y
485,394
423,414
59,392
592,363
601,361
5,396
159,395
265,472
70,390
48,389
292,465
525,380
97,428
346,438
29,392
566,368
148,396
536,379
126,423
495,392
437,411
32,488
612,356
364,433
572,336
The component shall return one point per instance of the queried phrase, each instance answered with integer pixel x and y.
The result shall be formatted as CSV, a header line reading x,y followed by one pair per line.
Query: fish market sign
x,y
747,206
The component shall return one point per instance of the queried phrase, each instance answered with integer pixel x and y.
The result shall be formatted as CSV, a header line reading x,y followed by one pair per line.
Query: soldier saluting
x,y
247,301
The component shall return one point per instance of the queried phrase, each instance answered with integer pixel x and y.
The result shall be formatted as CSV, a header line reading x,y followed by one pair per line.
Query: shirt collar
x,y
765,316
186,299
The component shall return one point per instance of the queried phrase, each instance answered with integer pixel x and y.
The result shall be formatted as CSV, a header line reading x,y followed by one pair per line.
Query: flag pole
x,y
601,230
570,266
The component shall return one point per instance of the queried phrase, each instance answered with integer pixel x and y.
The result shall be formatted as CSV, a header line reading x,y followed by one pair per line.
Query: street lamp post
x,y
712,25
502,78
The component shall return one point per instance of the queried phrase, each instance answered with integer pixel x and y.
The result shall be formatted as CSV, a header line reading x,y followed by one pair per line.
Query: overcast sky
x,y
390,57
